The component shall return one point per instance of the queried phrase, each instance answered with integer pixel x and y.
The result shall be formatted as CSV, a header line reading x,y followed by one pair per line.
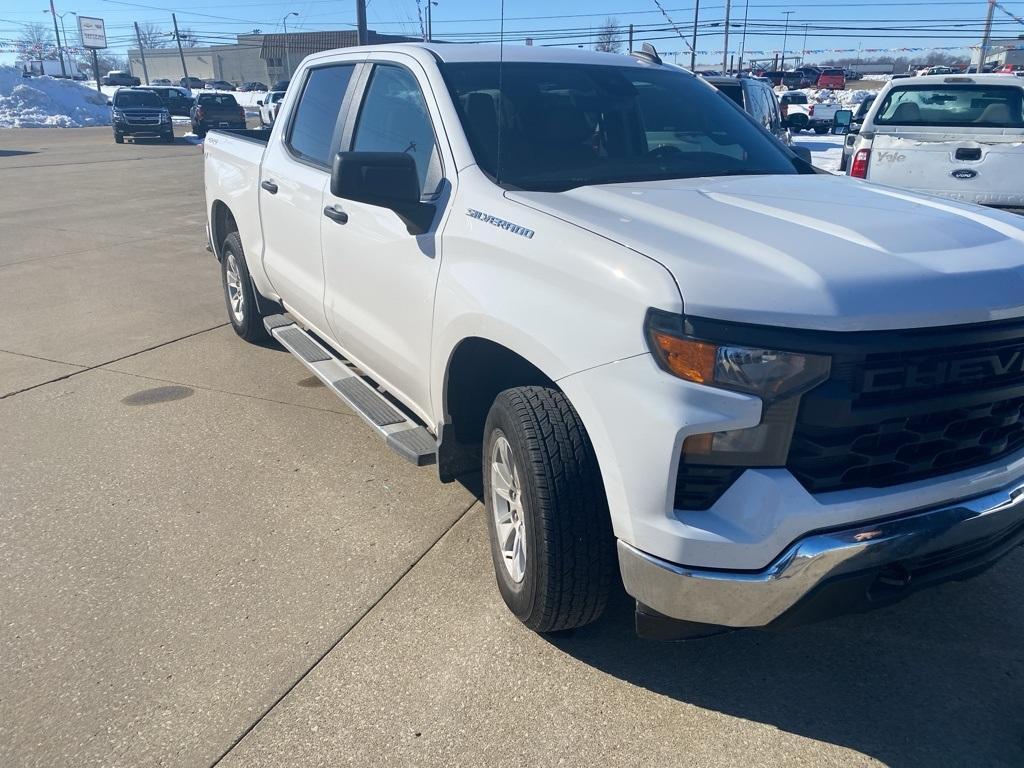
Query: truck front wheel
x,y
239,294
547,515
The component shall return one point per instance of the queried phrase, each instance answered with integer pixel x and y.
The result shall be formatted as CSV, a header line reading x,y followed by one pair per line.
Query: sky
x,y
870,24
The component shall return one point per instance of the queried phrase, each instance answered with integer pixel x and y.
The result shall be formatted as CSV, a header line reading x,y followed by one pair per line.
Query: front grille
x,y
928,405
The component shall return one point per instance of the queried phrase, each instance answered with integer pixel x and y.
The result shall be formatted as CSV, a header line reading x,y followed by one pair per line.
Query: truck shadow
x,y
936,680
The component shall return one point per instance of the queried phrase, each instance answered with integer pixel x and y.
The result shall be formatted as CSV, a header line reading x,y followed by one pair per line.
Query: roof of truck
x,y
454,52
986,79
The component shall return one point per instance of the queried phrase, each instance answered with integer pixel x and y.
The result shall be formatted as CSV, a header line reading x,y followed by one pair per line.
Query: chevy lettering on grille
x,y
929,376
508,226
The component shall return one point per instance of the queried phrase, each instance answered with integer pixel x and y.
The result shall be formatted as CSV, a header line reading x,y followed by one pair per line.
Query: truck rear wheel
x,y
239,294
547,515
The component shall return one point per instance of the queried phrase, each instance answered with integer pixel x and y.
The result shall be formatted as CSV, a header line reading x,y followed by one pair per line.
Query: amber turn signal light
x,y
686,358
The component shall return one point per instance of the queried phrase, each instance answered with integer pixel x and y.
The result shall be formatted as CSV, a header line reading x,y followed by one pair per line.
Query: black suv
x,y
757,98
216,110
177,100
139,113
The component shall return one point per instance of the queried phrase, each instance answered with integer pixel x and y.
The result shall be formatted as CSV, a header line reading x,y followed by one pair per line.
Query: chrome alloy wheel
x,y
507,508
233,280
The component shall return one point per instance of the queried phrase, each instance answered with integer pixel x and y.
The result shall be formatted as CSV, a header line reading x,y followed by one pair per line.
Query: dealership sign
x,y
92,32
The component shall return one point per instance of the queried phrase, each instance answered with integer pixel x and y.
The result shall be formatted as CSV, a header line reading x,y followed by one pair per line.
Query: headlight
x,y
165,116
778,377
771,374
118,115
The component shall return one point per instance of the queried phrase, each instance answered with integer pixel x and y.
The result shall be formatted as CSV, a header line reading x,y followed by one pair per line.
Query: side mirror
x,y
842,121
110,103
259,102
803,153
384,179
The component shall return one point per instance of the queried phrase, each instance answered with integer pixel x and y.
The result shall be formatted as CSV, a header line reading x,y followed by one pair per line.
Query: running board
x,y
404,436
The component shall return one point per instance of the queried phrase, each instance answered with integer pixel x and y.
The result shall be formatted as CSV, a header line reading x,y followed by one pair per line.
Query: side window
x,y
394,118
756,106
774,118
312,129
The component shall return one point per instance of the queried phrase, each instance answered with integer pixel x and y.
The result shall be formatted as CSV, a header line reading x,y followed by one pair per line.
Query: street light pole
x,y
693,47
725,53
287,44
743,43
60,52
785,37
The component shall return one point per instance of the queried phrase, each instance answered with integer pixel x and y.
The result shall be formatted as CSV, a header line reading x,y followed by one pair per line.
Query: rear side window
x,y
394,118
316,117
734,91
974,106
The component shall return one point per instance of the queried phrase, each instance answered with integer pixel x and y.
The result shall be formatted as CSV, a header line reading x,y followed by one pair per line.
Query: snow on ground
x,y
47,102
826,151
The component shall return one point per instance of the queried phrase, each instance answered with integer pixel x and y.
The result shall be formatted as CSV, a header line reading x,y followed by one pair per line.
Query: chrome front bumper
x,y
844,570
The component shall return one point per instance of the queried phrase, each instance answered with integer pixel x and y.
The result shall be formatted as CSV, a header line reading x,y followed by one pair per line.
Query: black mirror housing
x,y
842,121
803,153
385,179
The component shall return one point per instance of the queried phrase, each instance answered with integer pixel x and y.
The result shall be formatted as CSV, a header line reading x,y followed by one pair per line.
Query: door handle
x,y
336,214
270,186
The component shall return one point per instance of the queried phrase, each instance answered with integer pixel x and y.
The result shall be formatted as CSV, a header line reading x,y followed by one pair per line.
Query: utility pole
x,y
803,52
142,53
785,37
743,43
361,22
181,53
725,46
693,47
630,48
60,51
430,20
987,37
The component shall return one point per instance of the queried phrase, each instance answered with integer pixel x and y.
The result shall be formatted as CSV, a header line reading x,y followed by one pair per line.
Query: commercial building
x,y
1002,52
252,58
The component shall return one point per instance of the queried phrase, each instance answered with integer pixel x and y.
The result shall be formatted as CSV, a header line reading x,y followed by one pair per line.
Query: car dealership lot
x,y
205,555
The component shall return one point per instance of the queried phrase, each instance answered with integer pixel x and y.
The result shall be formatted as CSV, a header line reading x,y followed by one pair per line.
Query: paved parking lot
x,y
204,557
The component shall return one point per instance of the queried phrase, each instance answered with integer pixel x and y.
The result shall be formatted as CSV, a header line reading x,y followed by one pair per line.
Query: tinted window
x,y
965,105
312,129
569,125
220,99
136,99
733,90
394,118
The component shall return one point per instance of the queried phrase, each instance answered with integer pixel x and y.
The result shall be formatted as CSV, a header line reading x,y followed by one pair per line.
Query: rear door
x,y
961,141
294,175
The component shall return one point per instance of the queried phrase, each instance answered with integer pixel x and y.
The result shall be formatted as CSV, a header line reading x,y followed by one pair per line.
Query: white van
x,y
960,137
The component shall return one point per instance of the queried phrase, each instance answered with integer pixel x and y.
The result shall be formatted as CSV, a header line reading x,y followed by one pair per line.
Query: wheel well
x,y
223,224
479,369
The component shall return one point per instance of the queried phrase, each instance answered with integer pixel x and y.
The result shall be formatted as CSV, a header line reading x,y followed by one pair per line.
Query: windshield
x,y
130,99
975,106
570,125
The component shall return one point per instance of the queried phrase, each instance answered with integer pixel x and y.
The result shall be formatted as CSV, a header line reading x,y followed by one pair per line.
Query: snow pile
x,y
882,78
47,102
849,98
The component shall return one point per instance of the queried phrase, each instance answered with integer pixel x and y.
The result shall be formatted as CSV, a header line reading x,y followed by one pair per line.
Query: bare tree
x,y
36,42
153,36
107,62
608,37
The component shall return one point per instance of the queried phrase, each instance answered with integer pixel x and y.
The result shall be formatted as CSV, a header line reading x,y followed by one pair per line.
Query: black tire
x,y
570,549
798,122
247,320
168,138
820,130
118,138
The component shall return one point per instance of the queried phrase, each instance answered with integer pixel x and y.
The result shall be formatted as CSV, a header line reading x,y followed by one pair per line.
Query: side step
x,y
408,439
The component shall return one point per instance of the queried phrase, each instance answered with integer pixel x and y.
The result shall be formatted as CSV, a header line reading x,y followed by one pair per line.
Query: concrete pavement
x,y
204,557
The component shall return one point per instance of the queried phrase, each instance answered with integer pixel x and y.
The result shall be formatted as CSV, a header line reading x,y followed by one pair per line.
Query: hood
x,y
819,252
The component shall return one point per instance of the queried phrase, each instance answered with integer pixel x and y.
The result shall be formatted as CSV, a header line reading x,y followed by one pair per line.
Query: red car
x,y
833,78
1013,69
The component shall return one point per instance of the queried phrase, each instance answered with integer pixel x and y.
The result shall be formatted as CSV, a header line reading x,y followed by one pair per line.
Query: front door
x,y
379,278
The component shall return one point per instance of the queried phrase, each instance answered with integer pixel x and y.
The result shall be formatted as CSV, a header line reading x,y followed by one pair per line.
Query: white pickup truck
x,y
574,272
957,136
